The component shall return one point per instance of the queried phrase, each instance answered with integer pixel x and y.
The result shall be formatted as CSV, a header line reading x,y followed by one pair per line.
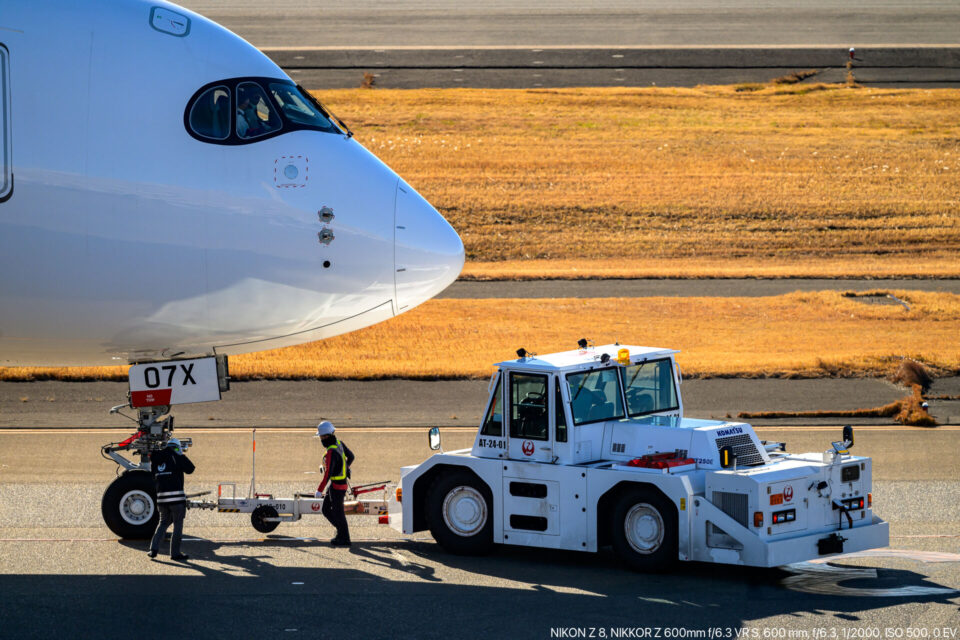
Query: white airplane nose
x,y
428,252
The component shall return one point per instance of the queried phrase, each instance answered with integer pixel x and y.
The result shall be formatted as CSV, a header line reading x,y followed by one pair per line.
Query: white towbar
x,y
267,511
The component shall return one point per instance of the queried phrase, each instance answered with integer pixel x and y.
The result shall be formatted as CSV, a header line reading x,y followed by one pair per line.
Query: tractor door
x,y
528,397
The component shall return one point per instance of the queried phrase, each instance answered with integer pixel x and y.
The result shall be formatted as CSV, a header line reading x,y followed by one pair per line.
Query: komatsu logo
x,y
732,431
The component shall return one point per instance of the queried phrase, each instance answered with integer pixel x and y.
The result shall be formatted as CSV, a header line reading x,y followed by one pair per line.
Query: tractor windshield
x,y
649,388
595,396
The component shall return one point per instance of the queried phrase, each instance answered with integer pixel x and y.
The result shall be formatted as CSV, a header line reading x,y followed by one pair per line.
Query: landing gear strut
x,y
129,505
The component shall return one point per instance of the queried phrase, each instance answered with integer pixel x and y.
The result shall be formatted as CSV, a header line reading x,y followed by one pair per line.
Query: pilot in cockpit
x,y
248,123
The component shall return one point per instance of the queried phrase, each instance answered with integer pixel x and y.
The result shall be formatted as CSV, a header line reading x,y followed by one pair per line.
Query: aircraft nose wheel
x,y
129,507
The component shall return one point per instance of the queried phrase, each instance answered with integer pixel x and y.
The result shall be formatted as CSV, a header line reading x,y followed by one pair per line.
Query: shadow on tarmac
x,y
237,591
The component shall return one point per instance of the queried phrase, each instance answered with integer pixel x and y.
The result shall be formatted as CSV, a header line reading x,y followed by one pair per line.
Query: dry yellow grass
x,y
816,180
798,334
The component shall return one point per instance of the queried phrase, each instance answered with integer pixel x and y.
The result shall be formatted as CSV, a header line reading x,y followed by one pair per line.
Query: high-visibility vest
x,y
342,476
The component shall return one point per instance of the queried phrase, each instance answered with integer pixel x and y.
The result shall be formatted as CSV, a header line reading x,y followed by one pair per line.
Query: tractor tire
x,y
258,515
129,506
644,531
460,513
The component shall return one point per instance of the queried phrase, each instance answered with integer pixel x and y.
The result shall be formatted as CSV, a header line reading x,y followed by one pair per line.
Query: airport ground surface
x,y
705,287
448,403
504,23
562,43
63,574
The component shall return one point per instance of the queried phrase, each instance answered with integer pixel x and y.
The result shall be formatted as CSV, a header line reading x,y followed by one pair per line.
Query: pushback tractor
x,y
587,448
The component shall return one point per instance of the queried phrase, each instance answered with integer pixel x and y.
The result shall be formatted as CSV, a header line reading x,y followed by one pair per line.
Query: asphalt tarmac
x,y
705,287
536,67
504,23
564,43
63,574
412,403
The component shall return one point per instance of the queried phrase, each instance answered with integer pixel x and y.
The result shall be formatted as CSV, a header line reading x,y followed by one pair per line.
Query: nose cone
x,y
428,252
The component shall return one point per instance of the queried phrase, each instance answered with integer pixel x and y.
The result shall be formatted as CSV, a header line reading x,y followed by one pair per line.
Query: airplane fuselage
x,y
126,236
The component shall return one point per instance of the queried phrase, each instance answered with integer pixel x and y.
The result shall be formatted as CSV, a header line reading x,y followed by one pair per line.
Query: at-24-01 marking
x,y
493,444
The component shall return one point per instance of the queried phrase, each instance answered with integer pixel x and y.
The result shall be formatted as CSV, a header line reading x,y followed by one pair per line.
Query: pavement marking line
x,y
602,47
207,430
457,429
910,554
825,579
215,541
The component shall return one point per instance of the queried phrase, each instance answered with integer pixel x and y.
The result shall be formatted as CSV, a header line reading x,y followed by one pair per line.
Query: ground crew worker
x,y
336,470
168,466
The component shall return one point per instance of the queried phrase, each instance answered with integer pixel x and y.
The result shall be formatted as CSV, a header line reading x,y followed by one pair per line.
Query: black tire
x,y
129,506
652,543
474,535
258,515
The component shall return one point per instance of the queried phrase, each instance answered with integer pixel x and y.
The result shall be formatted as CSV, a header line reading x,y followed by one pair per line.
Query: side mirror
x,y
848,436
434,439
727,457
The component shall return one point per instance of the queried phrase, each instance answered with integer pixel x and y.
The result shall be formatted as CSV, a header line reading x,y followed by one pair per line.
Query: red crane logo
x,y
527,448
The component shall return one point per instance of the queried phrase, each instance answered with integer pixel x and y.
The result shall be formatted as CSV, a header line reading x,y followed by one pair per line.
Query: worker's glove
x,y
318,495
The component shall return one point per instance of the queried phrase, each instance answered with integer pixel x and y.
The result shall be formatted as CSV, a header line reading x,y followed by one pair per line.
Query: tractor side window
x,y
493,423
528,406
650,388
255,115
595,396
210,114
560,421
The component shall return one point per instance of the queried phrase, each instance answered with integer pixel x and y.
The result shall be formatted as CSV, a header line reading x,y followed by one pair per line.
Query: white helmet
x,y
325,428
174,444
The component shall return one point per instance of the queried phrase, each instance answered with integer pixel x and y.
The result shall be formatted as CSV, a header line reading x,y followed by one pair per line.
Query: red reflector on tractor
x,y
660,461
758,519
869,499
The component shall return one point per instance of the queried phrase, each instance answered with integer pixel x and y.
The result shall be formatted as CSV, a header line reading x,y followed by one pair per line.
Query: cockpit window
x,y
247,110
210,114
595,396
255,115
650,388
298,109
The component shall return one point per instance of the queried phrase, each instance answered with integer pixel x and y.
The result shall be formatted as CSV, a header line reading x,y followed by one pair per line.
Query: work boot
x,y
180,557
152,553
340,542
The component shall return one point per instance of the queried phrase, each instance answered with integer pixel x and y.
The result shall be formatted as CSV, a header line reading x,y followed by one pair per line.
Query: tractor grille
x,y
742,447
732,504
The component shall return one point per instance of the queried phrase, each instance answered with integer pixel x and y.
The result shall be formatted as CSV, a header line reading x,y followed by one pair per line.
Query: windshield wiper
x,y
642,365
329,115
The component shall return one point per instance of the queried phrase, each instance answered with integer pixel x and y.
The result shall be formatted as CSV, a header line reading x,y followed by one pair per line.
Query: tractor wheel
x,y
129,505
460,513
644,530
258,515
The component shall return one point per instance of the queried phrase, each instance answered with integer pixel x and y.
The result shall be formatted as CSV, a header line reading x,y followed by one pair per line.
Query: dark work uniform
x,y
336,469
168,468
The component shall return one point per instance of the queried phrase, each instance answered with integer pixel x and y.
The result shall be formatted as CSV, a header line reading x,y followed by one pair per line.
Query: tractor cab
x,y
558,408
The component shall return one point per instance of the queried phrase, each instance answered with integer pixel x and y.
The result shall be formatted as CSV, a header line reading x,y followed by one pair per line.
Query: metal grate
x,y
732,504
742,447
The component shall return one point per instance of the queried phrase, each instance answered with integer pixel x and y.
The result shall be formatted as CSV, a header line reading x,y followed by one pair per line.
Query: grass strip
x,y
802,334
779,181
